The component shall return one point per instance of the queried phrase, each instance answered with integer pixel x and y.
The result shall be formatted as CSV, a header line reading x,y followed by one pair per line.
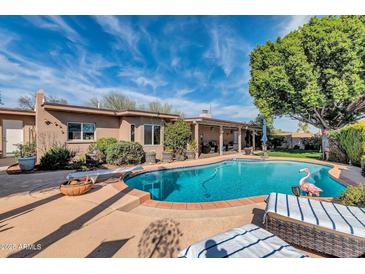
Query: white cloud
x,y
292,23
237,112
142,78
184,91
143,81
122,31
55,23
227,49
175,61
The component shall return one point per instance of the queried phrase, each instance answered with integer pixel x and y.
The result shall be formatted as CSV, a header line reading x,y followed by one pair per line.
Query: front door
x,y
13,133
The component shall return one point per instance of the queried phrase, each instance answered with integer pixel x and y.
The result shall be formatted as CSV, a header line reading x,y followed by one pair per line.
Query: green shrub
x,y
354,196
351,140
312,143
57,157
79,162
275,141
124,153
27,150
177,135
101,146
192,146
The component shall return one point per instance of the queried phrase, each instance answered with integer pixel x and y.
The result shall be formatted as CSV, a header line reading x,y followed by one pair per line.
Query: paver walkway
x,y
28,183
5,162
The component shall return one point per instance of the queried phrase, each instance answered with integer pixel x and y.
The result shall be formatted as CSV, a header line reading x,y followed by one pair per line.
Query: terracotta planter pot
x,y
190,155
150,158
75,189
167,156
180,157
248,150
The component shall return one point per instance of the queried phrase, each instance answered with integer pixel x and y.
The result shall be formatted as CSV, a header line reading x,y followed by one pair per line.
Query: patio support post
x,y
239,139
197,139
221,131
253,140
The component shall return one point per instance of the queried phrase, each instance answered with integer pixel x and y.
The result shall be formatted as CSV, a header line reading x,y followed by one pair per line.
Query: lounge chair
x,y
325,227
248,241
102,174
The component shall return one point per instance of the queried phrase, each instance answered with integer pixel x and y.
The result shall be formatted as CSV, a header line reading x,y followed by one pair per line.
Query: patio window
x,y
81,131
152,134
133,132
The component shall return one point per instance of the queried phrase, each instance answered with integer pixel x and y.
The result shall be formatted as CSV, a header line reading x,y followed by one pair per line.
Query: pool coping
x,y
145,197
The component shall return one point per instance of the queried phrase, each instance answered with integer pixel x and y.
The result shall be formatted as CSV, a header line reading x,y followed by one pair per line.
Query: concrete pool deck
x,y
37,221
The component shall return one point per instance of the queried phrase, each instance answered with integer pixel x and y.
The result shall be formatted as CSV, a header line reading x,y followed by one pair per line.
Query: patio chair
x,y
248,241
102,174
324,227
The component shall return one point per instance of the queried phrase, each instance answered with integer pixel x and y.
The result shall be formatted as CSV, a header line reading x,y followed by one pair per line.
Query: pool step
x,y
129,203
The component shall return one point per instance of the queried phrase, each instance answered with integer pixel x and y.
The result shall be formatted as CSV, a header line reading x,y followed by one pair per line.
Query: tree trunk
x,y
325,144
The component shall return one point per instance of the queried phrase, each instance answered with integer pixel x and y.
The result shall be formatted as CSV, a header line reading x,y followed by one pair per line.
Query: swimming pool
x,y
231,179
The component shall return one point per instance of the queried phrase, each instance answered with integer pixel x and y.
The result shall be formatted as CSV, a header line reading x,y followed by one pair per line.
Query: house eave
x,y
108,112
220,122
15,111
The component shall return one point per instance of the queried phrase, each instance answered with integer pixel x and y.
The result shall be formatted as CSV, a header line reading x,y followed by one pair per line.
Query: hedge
x,y
349,140
124,153
101,146
354,196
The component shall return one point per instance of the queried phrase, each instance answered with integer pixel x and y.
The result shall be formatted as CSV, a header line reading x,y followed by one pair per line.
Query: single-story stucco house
x,y
80,126
294,140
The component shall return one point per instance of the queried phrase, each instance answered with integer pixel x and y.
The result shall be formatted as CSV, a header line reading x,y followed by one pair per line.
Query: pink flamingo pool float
x,y
308,188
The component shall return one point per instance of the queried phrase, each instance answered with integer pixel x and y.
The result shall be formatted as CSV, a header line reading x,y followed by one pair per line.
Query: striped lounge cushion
x,y
346,219
248,241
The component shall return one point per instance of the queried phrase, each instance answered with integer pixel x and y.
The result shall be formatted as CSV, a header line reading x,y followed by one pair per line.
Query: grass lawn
x,y
313,154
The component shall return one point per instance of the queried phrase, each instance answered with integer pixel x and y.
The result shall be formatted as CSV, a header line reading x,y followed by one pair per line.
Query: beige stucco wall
x,y
139,122
209,133
28,129
52,128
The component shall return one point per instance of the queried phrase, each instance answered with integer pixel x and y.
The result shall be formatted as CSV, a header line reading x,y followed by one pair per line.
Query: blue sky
x,y
191,62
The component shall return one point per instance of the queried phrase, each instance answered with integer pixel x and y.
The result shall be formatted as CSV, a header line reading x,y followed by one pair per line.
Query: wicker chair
x,y
315,237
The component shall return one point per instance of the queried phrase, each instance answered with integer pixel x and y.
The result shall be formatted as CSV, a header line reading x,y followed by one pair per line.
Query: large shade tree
x,y
315,74
259,120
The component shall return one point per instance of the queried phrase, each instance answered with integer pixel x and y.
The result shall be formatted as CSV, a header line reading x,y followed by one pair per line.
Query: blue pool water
x,y
232,179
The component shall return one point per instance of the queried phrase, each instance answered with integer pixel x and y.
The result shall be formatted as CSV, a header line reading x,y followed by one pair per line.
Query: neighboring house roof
x,y
300,134
101,111
17,111
213,121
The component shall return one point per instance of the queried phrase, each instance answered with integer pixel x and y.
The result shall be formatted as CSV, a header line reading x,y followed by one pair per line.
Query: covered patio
x,y
219,137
